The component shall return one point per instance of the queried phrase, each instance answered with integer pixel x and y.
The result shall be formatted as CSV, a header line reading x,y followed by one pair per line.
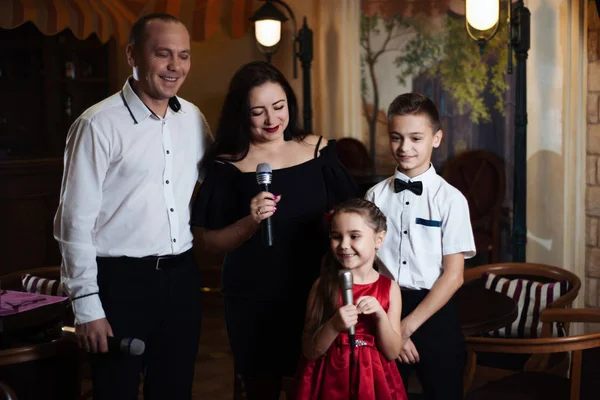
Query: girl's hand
x,y
263,205
369,305
345,317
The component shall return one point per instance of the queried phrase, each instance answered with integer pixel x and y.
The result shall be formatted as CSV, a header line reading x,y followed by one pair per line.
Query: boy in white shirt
x,y
429,236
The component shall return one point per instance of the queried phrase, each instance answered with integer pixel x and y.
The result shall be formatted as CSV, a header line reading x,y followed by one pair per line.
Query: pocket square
x,y
429,222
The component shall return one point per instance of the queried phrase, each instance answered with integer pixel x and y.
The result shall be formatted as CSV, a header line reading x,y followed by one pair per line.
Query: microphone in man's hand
x,y
346,283
264,176
130,346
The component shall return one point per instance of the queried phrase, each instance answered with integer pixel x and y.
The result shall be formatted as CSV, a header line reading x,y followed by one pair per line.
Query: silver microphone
x,y
264,176
346,283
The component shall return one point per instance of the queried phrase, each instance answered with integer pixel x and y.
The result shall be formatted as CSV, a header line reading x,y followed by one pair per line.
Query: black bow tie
x,y
415,187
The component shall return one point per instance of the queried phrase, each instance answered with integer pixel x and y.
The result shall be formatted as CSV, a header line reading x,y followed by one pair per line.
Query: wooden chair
x,y
6,393
537,384
353,154
47,370
494,366
12,281
480,177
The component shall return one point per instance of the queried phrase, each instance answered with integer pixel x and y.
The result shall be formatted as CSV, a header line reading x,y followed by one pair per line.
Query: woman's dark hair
x,y
233,132
327,300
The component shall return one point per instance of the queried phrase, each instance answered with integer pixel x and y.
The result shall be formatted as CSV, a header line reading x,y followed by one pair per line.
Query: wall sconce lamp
x,y
267,29
484,15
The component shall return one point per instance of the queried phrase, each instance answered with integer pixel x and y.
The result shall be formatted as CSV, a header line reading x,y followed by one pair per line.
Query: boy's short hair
x,y
415,104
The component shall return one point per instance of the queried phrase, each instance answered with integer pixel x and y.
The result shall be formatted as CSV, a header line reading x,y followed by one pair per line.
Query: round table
x,y
482,310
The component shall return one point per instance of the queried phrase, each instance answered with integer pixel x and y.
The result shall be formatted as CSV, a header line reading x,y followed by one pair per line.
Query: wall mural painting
x,y
422,46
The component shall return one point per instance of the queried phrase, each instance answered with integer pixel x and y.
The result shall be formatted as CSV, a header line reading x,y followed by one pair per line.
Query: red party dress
x,y
373,377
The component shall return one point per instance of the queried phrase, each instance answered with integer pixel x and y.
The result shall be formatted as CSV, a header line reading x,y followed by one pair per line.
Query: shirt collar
x,y
426,177
138,110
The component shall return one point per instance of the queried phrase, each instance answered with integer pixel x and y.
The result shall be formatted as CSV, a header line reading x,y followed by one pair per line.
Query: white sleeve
x,y
85,164
457,234
370,195
207,140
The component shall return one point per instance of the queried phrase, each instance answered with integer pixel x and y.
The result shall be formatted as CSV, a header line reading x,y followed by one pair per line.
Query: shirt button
x,y
405,232
174,240
168,152
167,182
407,203
172,210
403,262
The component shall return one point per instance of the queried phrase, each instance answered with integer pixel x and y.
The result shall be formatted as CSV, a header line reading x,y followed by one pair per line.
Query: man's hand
x,y
91,336
408,353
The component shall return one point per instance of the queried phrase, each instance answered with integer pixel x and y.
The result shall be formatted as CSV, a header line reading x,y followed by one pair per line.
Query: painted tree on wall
x,y
394,28
445,51
465,72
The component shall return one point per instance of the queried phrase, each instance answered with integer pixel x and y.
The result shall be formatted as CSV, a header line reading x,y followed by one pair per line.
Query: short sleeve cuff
x,y
468,250
87,309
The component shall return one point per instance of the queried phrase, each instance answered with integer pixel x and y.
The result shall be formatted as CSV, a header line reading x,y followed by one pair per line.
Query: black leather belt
x,y
156,262
166,262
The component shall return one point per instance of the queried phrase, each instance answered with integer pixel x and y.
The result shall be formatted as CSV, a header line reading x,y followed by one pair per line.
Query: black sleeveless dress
x,y
266,289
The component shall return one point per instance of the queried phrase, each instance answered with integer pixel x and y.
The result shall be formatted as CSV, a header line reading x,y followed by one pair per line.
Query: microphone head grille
x,y
346,280
264,174
137,347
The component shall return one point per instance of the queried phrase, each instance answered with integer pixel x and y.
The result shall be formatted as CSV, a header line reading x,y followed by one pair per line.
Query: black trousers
x,y
162,308
441,348
266,341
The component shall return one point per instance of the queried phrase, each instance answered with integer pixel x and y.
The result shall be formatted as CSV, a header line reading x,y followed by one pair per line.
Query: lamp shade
x,y
267,24
268,32
482,14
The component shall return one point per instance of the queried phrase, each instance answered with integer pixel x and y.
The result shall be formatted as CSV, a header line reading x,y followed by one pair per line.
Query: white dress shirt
x,y
421,229
127,183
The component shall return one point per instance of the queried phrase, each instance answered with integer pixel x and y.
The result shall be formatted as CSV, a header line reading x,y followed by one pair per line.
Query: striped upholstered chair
x,y
534,287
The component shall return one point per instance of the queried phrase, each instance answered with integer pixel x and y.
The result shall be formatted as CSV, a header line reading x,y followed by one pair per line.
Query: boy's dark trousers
x,y
162,308
441,347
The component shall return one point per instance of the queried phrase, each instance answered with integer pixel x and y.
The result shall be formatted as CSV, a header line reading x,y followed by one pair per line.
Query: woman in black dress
x,y
265,289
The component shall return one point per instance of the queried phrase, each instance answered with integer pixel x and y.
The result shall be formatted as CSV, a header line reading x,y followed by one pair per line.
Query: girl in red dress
x,y
327,370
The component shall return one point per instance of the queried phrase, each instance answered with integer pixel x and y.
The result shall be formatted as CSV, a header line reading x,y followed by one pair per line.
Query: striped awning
x,y
407,8
113,18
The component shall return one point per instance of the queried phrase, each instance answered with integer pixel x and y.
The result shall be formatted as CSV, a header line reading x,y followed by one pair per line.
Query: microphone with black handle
x,y
264,176
346,283
128,346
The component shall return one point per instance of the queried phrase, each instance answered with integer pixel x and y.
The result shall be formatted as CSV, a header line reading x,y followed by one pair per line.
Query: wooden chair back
x,y
498,366
545,345
543,272
47,370
6,392
480,177
353,154
12,281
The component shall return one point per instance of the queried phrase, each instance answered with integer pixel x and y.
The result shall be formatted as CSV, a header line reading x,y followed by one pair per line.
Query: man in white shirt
x,y
131,165
428,238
